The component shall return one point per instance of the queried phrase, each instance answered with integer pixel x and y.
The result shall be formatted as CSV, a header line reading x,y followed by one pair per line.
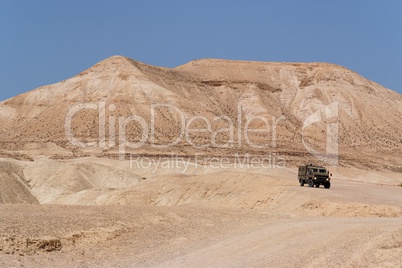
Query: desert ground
x,y
203,217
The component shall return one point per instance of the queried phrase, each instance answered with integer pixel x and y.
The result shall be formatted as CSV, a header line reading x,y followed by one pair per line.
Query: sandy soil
x,y
128,236
205,218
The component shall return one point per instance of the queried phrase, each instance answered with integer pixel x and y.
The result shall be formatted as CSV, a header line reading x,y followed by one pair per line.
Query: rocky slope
x,y
277,97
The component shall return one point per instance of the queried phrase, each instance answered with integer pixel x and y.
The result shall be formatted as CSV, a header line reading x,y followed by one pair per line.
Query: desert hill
x,y
285,94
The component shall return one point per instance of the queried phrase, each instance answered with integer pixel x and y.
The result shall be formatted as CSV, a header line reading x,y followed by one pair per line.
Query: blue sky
x,y
43,42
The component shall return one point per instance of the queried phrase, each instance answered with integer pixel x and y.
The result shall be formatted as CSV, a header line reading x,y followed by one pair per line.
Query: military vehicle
x,y
314,176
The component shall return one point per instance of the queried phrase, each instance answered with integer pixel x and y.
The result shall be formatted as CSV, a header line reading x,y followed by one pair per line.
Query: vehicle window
x,y
323,171
315,170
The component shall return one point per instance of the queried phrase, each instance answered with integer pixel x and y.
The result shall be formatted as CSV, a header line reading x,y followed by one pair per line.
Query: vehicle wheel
x,y
310,183
301,182
327,185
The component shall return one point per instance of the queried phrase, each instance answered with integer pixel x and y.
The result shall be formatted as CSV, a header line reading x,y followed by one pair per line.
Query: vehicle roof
x,y
310,165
